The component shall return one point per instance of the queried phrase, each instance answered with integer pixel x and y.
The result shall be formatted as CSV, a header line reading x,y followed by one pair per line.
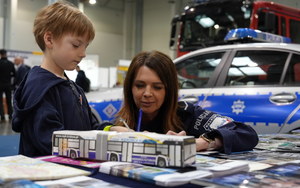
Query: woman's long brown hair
x,y
165,69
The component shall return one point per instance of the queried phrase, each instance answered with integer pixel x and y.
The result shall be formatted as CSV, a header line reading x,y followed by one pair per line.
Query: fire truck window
x,y
295,30
268,22
283,26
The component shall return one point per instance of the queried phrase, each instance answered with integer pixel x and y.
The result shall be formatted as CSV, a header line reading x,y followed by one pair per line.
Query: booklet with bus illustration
x,y
160,176
22,167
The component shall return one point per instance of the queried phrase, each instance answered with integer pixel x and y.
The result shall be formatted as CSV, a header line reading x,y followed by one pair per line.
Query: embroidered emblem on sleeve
x,y
219,121
210,121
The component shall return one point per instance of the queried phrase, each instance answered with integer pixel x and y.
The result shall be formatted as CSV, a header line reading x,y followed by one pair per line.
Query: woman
x,y
151,104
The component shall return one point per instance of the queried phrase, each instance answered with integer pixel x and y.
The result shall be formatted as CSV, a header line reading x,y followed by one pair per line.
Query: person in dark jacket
x,y
82,80
7,74
21,70
151,104
47,100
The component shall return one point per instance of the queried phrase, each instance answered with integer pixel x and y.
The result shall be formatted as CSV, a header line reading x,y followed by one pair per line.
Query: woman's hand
x,y
181,133
203,145
120,129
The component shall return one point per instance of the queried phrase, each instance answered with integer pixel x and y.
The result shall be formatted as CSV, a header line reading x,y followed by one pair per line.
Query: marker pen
x,y
139,121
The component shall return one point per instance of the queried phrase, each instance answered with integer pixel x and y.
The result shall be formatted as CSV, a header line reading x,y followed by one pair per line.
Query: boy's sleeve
x,y
104,125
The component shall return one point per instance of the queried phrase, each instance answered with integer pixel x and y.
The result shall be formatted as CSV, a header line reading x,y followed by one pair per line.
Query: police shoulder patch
x,y
218,121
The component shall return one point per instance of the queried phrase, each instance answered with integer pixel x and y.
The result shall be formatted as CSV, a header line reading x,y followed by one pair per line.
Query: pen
x,y
139,121
124,122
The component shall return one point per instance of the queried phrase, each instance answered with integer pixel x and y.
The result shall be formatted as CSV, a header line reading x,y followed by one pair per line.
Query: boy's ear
x,y
48,39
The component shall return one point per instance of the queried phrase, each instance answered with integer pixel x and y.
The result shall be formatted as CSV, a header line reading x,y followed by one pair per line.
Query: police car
x,y
255,83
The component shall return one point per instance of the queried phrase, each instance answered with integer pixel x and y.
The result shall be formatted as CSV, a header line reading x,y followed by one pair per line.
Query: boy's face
x,y
68,51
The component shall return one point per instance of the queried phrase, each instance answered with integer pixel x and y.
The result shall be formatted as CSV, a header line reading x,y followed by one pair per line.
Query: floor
x,y
9,140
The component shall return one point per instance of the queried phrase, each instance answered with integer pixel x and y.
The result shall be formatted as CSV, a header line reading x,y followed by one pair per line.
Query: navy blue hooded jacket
x,y
44,103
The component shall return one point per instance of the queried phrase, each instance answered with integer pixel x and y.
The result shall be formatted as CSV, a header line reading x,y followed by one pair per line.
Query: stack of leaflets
x,y
205,167
219,166
21,167
254,179
160,176
290,170
260,156
279,142
283,175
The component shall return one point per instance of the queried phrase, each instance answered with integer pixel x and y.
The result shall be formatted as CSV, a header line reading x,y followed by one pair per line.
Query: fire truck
x,y
207,22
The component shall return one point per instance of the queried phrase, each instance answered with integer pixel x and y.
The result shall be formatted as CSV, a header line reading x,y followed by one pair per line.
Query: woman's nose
x,y
148,91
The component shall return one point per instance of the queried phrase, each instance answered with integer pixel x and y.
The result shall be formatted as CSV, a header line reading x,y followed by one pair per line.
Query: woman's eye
x,y
158,87
139,85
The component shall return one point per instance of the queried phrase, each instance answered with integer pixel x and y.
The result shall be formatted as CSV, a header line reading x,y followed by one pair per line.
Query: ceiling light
x,y
92,2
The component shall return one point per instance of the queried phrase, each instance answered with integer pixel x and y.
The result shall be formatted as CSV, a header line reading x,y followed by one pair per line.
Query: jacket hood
x,y
31,91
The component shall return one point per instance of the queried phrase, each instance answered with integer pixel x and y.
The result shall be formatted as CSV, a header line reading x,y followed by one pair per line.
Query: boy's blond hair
x,y
61,18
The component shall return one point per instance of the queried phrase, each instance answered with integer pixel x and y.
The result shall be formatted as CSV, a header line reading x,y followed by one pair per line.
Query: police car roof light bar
x,y
246,34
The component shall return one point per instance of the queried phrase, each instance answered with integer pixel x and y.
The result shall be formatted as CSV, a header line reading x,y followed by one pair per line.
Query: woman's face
x,y
148,91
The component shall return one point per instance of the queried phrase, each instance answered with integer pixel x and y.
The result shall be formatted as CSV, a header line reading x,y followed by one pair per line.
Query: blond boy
x,y
47,100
